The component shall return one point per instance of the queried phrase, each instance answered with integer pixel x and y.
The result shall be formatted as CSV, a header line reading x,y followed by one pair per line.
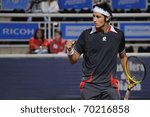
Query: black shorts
x,y
94,92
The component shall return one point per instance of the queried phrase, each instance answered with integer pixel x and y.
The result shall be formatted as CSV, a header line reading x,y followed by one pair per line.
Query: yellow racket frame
x,y
130,81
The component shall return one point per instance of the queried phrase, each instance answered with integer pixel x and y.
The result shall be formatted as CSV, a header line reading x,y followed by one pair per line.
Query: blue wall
x,y
48,78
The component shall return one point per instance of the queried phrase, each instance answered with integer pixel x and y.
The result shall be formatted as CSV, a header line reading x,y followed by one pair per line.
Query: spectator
x,y
57,44
50,6
34,6
38,44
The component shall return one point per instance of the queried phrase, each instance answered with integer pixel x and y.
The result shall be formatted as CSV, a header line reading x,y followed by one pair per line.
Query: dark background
x,y
49,78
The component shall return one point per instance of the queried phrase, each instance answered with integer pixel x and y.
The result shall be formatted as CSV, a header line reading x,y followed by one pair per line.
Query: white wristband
x,y
71,52
40,47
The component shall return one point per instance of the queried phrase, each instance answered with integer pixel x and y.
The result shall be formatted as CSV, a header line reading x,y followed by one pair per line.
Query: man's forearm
x,y
123,59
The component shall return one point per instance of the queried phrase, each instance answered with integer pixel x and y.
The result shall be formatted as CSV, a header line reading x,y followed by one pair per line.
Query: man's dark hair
x,y
104,6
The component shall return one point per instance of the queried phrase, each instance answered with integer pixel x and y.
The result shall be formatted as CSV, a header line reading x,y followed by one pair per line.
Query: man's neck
x,y
104,29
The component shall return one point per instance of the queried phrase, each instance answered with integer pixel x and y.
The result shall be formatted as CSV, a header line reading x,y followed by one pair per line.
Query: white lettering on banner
x,y
75,30
119,68
137,30
73,2
123,86
123,76
136,67
124,2
18,31
133,67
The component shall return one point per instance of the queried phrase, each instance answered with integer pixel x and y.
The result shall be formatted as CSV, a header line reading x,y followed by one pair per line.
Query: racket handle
x,y
126,97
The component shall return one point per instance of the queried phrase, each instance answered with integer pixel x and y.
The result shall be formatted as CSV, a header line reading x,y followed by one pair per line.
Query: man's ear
x,y
107,19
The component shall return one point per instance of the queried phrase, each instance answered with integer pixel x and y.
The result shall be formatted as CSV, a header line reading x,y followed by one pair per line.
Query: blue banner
x,y
129,4
136,31
14,4
73,30
54,78
17,30
75,4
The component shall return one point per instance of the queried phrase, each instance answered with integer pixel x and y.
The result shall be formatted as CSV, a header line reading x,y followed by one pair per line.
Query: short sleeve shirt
x,y
100,54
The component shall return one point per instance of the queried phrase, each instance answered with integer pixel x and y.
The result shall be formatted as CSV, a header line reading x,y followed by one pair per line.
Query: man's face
x,y
99,20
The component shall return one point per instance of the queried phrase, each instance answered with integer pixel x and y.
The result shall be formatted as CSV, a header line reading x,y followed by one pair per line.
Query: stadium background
x,y
50,76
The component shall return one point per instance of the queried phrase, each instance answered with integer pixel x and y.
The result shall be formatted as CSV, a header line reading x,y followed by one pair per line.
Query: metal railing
x,y
52,23
49,24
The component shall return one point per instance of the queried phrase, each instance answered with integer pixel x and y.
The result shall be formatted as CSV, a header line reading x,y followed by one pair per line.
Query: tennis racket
x,y
135,71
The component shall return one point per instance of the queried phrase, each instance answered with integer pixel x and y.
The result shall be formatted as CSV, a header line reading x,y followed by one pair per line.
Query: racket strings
x,y
136,69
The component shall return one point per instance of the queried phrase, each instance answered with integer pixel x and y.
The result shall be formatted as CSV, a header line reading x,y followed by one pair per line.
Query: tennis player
x,y
99,45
